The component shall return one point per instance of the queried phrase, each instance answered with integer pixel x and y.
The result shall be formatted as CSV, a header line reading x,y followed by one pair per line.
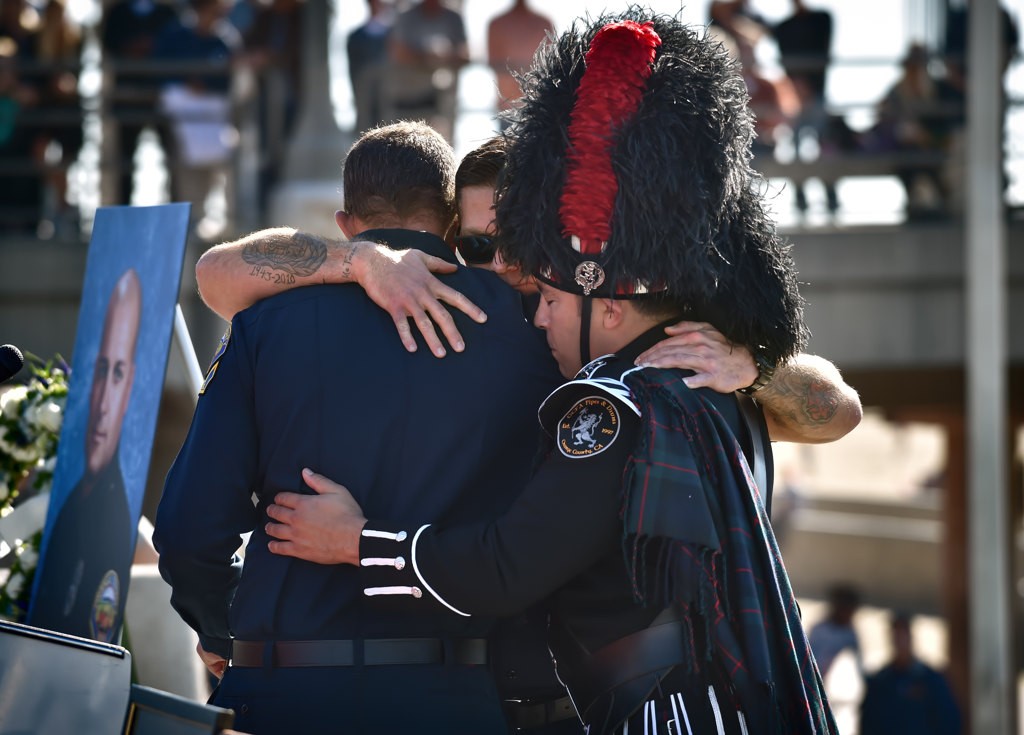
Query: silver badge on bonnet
x,y
589,275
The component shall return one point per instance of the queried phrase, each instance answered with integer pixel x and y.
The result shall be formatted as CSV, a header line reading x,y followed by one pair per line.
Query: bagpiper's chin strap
x,y
585,332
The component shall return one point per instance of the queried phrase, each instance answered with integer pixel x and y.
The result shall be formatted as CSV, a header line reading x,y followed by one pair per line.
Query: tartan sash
x,y
696,535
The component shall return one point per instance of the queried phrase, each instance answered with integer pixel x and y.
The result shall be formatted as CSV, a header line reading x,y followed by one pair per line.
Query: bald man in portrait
x,y
89,554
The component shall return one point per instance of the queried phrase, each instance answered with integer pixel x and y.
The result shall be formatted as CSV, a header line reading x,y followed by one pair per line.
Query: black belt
x,y
630,665
367,652
524,714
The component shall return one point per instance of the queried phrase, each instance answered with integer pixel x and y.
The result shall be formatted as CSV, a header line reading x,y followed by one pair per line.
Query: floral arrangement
x,y
30,419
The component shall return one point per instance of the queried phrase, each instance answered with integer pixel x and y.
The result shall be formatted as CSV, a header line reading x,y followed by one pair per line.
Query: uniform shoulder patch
x,y
103,616
212,370
588,428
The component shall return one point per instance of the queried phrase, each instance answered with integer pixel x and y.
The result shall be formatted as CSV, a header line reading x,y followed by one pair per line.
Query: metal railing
x,y
112,104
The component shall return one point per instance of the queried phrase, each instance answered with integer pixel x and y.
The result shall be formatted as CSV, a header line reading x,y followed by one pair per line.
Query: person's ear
x,y
451,231
612,314
346,223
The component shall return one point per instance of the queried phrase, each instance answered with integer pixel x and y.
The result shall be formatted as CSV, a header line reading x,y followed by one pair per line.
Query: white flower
x,y
11,400
28,556
14,584
27,454
48,464
48,417
42,442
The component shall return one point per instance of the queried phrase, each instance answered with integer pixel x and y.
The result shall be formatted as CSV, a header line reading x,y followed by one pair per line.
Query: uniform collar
x,y
397,238
645,341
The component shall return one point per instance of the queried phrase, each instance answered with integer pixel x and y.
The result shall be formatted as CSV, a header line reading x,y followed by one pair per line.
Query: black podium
x,y
155,712
61,684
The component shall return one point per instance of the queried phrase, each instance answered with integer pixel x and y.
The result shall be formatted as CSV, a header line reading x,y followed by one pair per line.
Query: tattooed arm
x,y
234,275
807,401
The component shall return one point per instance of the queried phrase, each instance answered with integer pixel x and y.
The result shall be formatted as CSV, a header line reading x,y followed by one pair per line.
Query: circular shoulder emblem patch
x,y
104,607
588,428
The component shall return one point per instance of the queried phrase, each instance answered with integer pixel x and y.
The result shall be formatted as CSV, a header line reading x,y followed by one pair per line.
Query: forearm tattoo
x,y
297,255
800,398
346,262
820,402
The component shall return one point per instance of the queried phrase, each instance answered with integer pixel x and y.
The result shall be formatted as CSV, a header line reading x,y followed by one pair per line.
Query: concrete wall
x,y
878,297
885,297
890,551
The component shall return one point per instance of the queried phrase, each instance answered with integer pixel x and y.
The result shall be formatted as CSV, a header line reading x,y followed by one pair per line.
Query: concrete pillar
x,y
993,682
317,146
310,192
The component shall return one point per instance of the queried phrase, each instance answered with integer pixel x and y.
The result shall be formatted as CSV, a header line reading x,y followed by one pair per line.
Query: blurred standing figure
x,y
20,22
741,23
60,48
273,50
367,48
199,104
512,39
835,633
773,99
130,28
919,114
19,191
805,42
20,188
908,697
954,49
427,47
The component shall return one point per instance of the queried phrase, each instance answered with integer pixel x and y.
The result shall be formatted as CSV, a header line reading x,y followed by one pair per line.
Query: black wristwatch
x,y
765,373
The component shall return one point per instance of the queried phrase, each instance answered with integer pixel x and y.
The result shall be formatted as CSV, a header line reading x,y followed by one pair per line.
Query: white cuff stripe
x,y
426,585
400,536
377,561
373,591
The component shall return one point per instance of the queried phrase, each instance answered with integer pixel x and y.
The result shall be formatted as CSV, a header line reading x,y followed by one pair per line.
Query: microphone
x,y
11,361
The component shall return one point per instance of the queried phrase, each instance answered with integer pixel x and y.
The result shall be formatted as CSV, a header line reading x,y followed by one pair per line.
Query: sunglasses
x,y
475,249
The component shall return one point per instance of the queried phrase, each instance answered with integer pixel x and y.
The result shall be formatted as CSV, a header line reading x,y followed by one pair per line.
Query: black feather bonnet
x,y
688,223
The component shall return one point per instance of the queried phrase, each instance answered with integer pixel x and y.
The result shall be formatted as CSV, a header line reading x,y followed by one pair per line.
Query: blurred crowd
x,y
903,696
180,69
189,69
919,120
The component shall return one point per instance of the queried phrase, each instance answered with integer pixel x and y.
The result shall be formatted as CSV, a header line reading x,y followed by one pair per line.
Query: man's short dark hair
x,y
398,171
483,165
901,620
843,595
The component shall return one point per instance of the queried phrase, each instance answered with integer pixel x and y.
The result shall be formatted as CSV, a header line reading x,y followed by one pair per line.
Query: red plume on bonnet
x,y
618,64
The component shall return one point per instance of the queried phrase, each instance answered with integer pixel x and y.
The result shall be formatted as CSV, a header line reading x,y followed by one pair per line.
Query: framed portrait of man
x,y
125,323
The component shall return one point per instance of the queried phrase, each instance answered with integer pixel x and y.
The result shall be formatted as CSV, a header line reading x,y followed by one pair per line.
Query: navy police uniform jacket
x,y
316,377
